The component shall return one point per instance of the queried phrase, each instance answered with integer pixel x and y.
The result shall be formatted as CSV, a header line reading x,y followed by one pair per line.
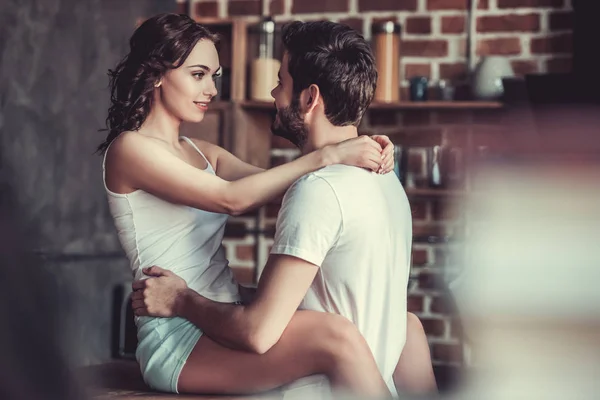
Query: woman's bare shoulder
x,y
129,141
210,150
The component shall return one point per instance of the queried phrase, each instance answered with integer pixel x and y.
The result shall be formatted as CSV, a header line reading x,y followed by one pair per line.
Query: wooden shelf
x,y
404,105
219,105
437,105
258,105
425,192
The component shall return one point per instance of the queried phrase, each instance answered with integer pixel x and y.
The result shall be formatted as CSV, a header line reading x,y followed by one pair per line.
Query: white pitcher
x,y
487,78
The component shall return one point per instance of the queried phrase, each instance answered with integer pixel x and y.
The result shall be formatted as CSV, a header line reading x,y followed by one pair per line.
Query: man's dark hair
x,y
338,60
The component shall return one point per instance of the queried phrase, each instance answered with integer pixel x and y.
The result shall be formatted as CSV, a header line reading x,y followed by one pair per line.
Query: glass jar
x,y
386,45
264,59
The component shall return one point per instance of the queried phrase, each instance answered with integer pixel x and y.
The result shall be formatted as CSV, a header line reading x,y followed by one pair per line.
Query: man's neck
x,y
321,136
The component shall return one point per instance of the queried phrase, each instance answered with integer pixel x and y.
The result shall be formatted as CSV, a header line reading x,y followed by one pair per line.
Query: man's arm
x,y
255,327
304,235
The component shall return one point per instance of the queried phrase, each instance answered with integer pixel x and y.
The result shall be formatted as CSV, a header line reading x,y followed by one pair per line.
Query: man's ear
x,y
309,98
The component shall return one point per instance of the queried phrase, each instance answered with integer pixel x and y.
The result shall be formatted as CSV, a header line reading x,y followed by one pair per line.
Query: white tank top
x,y
183,239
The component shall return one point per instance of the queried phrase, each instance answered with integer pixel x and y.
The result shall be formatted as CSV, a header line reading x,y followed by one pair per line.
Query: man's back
x,y
357,226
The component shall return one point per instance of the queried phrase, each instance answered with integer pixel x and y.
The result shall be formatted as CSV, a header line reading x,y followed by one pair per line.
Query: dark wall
x,y
53,99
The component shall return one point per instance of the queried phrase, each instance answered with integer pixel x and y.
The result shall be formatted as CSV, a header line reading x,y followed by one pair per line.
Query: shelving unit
x,y
242,125
426,192
401,106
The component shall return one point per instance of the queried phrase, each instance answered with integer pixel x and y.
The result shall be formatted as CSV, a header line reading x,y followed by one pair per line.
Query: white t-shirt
x,y
356,225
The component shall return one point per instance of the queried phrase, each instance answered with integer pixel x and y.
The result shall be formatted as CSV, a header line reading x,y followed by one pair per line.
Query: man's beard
x,y
290,125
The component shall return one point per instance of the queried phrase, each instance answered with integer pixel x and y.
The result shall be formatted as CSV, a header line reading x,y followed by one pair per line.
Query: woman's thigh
x,y
303,350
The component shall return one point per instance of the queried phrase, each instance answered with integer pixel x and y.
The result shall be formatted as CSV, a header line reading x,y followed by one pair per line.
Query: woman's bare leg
x,y
313,343
414,372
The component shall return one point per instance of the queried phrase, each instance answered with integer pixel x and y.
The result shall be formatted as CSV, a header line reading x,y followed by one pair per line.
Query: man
x,y
344,235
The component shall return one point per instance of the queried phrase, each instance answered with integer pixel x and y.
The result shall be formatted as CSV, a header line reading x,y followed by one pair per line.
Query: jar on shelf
x,y
264,56
386,45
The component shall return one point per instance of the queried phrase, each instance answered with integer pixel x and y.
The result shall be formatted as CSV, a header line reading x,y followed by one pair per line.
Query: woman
x,y
170,197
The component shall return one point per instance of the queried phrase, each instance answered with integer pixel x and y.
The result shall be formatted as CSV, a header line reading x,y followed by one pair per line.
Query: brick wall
x,y
534,34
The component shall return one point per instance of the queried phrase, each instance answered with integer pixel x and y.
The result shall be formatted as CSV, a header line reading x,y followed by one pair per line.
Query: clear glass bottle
x,y
264,59
386,45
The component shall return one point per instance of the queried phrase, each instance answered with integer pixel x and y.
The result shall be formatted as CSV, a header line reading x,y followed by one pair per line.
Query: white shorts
x,y
164,345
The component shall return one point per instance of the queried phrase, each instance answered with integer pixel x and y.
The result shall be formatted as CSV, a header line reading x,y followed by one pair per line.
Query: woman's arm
x,y
227,166
145,165
231,168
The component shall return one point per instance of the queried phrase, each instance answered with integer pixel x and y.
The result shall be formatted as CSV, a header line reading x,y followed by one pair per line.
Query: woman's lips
x,y
201,105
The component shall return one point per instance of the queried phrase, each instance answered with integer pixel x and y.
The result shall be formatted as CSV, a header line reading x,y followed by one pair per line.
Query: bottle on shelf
x,y
386,38
264,64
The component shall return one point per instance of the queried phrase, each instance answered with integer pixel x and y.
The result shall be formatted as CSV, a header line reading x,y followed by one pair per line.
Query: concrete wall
x,y
53,99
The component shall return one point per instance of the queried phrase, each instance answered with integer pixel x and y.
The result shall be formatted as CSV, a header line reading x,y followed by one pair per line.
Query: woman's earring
x,y
157,84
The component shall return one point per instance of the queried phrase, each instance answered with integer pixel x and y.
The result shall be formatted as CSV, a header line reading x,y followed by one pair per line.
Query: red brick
x,y
483,4
390,18
462,48
319,6
418,209
502,46
524,67
235,230
453,72
424,48
447,352
509,23
206,9
429,281
243,7
386,5
415,303
272,210
439,305
419,257
276,7
277,142
453,24
561,21
426,230
269,233
530,3
244,252
554,44
440,256
354,23
456,329
447,4
243,275
442,210
434,327
418,25
559,65
411,70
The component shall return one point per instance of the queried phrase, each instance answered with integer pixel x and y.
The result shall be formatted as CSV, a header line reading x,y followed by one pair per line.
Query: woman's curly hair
x,y
161,43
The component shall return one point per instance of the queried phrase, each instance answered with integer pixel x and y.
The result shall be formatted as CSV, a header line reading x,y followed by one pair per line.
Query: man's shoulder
x,y
308,185
332,175
314,188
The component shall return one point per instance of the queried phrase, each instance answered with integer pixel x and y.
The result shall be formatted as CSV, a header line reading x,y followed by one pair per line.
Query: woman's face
x,y
186,91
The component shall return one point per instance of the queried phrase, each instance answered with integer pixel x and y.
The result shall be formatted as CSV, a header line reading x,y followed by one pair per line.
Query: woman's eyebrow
x,y
204,67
